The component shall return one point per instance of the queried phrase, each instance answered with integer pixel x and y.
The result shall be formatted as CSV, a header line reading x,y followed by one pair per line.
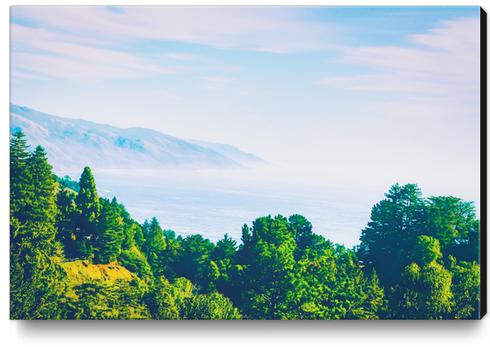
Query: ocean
x,y
214,203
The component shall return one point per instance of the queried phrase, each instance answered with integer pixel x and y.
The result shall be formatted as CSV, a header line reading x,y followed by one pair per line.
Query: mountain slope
x,y
74,143
231,152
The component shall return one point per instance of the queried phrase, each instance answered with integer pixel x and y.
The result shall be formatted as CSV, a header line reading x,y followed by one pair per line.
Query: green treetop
x,y
155,246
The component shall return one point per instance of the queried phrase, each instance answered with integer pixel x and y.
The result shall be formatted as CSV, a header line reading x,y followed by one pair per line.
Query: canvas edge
x,y
483,162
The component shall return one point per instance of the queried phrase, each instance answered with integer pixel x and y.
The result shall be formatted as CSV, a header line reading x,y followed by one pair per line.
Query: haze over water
x,y
215,202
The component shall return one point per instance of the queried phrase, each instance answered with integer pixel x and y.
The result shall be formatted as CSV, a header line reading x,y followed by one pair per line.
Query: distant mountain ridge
x,y
74,143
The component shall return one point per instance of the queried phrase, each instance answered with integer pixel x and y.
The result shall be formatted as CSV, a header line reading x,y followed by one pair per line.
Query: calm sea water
x,y
214,204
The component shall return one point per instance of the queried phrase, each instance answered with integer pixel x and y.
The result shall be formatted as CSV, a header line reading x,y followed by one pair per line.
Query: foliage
x,y
109,238
389,237
154,246
66,222
179,300
166,300
424,293
37,284
74,255
135,261
122,300
67,182
426,250
453,222
212,306
466,289
194,262
88,205
267,260
332,286
426,237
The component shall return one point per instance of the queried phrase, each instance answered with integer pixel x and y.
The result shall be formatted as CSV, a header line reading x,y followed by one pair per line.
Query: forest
x,y
77,255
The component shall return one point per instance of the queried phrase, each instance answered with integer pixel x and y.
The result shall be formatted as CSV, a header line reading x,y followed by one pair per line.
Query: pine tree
x,y
88,204
225,249
267,256
303,234
20,182
155,245
36,280
390,236
110,235
67,213
139,237
43,208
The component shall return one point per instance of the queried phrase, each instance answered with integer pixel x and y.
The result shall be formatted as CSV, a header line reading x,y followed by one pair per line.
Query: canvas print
x,y
246,163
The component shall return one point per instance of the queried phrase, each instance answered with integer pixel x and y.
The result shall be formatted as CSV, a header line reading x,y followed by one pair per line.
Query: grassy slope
x,y
82,271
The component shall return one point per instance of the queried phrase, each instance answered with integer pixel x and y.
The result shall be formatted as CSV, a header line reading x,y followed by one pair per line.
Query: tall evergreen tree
x,y
303,234
267,258
37,282
88,204
225,249
21,194
391,234
224,258
155,246
43,207
66,222
110,236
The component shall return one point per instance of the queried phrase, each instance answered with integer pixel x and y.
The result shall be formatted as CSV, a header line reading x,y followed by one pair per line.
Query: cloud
x,y
443,62
95,42
418,106
182,56
59,55
253,29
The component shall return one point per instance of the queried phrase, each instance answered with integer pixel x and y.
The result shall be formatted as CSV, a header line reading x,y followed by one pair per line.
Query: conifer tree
x,y
267,256
155,245
36,280
388,239
20,181
225,249
109,236
43,207
67,213
425,251
139,237
88,204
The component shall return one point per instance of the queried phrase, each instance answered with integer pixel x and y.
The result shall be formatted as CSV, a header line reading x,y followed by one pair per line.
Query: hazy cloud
x,y
443,62
254,29
59,55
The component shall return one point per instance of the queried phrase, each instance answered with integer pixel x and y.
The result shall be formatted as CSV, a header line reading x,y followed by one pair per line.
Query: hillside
x,y
82,271
74,143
